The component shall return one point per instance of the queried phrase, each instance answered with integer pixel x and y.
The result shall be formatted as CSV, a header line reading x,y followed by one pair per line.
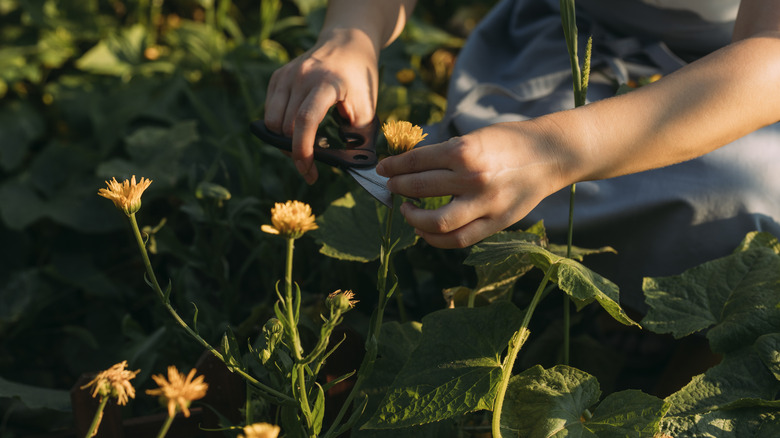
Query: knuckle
x,y
460,240
440,224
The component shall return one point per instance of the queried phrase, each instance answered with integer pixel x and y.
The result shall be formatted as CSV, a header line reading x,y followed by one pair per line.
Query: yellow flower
x,y
260,430
402,136
291,219
342,300
179,391
114,382
405,76
127,195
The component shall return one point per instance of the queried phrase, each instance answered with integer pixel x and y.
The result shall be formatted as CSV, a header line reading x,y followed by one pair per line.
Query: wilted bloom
x,y
127,195
291,219
179,391
402,136
114,382
342,301
260,430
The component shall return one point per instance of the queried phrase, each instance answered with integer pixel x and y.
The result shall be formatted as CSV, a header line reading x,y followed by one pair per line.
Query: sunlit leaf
x,y
580,283
352,228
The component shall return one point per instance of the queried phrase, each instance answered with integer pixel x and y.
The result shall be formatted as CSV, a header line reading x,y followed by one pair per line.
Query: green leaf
x,y
20,125
768,349
318,409
352,227
734,297
455,370
741,375
626,414
231,352
117,54
748,422
759,239
546,403
580,283
36,397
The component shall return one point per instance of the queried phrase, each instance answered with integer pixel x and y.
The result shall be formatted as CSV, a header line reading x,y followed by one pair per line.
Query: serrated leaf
x,y
230,350
352,227
455,370
580,283
741,375
625,414
759,239
734,297
546,403
749,422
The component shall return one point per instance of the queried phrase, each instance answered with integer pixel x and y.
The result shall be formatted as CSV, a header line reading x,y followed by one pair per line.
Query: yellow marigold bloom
x,y
342,300
127,195
114,382
291,219
402,136
179,391
260,430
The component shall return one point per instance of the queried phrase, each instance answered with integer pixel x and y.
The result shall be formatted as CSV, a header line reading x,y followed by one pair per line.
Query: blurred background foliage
x,y
165,90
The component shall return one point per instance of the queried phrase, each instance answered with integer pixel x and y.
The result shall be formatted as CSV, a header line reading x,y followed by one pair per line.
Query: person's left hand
x,y
496,176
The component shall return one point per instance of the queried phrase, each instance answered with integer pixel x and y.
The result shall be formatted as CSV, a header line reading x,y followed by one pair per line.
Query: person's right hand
x,y
340,69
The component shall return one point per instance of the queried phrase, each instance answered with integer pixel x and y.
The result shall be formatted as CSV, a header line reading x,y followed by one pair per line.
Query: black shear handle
x,y
363,155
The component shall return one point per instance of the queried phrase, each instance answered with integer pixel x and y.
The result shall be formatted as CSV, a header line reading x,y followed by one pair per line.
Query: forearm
x,y
379,21
689,113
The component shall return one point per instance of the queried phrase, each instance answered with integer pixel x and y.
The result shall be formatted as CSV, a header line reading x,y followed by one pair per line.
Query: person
x,y
672,174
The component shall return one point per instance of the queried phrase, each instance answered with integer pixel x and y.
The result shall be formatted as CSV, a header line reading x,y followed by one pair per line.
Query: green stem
x,y
566,299
165,427
156,286
515,344
97,418
372,338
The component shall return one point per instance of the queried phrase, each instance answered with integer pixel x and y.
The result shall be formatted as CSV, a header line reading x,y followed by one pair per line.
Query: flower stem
x,y
515,344
372,338
97,418
165,427
166,302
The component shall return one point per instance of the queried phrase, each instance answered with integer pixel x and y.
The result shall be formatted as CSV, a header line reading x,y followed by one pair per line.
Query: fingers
x,y
420,159
450,226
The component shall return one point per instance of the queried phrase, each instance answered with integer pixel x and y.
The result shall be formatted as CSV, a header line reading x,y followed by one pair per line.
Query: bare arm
x,y
340,69
499,173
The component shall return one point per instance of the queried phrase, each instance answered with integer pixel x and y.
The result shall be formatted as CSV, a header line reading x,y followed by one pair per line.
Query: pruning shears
x,y
358,157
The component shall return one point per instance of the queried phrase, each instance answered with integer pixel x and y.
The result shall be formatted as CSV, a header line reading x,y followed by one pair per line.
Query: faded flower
x,y
260,430
114,382
342,301
179,391
402,136
291,219
127,195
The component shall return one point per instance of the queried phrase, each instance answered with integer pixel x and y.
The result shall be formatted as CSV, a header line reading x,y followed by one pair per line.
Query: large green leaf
x,y
20,125
754,422
554,403
546,403
396,345
352,228
455,370
741,375
768,349
735,297
36,397
580,283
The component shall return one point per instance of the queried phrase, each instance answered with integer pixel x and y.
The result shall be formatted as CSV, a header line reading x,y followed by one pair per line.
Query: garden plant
x,y
321,300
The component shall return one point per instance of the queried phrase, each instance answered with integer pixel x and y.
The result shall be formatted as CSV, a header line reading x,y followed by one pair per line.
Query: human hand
x,y
340,69
496,175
